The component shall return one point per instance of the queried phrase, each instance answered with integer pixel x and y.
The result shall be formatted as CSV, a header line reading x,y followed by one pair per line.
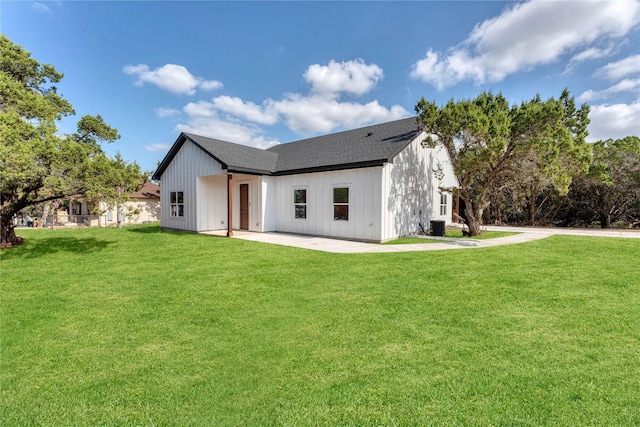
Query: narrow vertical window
x,y
176,200
341,204
300,204
443,204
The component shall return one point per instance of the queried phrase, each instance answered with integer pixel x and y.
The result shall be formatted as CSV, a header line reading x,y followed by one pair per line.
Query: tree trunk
x,y
532,210
555,212
605,220
472,215
473,221
8,236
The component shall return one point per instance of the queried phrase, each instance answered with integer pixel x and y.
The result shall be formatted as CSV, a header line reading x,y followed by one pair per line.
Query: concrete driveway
x,y
346,246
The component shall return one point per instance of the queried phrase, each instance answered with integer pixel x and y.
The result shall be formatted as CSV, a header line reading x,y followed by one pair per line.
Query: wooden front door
x,y
244,206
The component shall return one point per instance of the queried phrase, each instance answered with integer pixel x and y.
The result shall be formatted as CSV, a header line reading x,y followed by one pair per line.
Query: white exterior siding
x,y
411,193
385,202
449,181
212,202
364,204
188,164
269,202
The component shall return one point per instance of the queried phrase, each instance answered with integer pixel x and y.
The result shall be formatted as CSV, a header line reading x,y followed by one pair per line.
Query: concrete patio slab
x,y
346,246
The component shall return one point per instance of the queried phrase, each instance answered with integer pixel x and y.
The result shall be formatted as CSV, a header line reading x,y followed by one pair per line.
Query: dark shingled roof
x,y
367,146
148,191
236,157
371,145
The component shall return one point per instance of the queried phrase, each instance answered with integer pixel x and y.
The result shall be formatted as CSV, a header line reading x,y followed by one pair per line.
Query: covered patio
x,y
228,203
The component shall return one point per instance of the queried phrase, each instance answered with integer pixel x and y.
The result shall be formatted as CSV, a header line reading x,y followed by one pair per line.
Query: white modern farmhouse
x,y
375,184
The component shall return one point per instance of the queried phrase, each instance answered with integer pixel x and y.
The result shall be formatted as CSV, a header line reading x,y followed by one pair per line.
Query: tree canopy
x,y
37,164
610,191
487,139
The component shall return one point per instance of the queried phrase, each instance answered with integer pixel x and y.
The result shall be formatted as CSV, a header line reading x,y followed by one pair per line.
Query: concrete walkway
x,y
346,246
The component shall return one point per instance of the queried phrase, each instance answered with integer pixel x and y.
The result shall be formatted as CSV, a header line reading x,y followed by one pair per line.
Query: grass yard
x,y
487,234
146,328
451,234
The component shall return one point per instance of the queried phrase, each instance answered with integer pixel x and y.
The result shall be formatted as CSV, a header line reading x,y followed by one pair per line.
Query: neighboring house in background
x,y
376,183
143,206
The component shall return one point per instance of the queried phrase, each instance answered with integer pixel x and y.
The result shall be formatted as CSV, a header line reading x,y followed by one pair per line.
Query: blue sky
x,y
261,73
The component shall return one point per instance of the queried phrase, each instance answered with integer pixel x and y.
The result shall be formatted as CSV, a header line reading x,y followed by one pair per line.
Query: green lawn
x,y
451,234
487,234
138,327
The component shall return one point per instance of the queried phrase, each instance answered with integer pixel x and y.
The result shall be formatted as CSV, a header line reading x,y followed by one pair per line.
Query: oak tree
x,y
544,168
37,164
485,137
610,191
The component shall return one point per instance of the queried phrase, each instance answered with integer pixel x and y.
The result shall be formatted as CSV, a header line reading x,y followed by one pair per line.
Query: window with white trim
x,y
300,203
176,200
443,204
341,204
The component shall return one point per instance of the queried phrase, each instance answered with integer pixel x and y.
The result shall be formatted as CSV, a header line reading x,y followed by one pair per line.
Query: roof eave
x,y
174,150
328,168
169,157
248,171
405,145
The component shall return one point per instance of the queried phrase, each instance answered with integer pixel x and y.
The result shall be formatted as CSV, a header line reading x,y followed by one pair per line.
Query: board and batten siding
x,y
364,204
212,202
269,200
188,164
410,189
449,180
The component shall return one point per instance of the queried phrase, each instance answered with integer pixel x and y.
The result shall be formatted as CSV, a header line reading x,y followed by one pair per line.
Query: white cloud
x,y
199,109
214,127
171,77
622,68
304,114
166,112
351,77
158,147
592,53
443,73
248,110
203,119
526,35
614,121
589,54
625,86
209,85
318,111
41,7
315,113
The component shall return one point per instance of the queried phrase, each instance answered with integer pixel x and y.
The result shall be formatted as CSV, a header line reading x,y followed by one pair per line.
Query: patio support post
x,y
229,205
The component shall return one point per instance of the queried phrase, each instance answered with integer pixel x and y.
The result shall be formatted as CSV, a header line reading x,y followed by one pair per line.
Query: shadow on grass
x,y
34,248
145,229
